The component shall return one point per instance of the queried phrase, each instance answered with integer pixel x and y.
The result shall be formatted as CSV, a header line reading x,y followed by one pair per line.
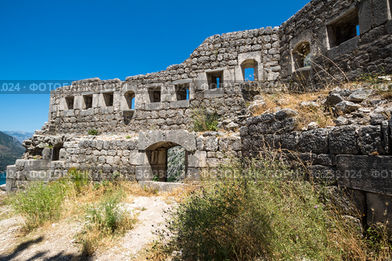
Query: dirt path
x,y
56,242
150,218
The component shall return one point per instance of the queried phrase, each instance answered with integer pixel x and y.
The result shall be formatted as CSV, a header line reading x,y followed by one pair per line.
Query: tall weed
x,y
103,222
40,202
204,121
78,178
261,210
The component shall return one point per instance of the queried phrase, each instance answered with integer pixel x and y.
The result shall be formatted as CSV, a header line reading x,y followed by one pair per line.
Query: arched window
x,y
130,98
249,70
302,55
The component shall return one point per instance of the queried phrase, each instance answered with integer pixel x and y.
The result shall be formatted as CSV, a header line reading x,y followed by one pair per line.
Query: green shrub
x,y
204,121
262,211
93,132
40,202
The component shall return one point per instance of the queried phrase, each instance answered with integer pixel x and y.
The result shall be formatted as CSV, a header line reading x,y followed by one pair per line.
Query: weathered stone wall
x,y
227,102
124,157
368,52
220,53
353,156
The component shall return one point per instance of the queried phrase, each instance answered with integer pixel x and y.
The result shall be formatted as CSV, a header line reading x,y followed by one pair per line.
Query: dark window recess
x,y
249,70
108,97
88,101
155,94
37,152
56,152
130,98
182,92
301,55
215,79
343,29
70,102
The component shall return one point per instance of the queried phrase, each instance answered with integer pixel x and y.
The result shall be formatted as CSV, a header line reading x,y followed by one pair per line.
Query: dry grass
x,y
74,209
5,211
154,252
75,203
385,94
135,189
3,198
303,225
179,194
94,238
306,114
97,206
320,114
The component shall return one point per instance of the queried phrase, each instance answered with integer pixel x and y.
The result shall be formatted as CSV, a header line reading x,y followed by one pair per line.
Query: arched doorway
x,y
168,161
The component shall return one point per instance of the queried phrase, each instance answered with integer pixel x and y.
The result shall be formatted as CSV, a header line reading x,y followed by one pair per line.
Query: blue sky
x,y
74,39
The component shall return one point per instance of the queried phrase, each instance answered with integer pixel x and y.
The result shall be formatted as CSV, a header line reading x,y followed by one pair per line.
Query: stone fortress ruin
x,y
142,120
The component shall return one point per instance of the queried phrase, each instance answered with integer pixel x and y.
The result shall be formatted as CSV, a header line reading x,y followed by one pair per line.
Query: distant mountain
x,y
10,150
19,135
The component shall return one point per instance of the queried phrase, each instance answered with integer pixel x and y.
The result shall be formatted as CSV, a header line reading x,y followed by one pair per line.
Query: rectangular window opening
x,y
215,80
108,97
155,94
343,29
88,101
182,92
56,152
70,102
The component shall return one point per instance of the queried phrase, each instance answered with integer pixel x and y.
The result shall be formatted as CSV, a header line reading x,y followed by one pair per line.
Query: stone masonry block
x,y
343,140
370,140
315,141
367,173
